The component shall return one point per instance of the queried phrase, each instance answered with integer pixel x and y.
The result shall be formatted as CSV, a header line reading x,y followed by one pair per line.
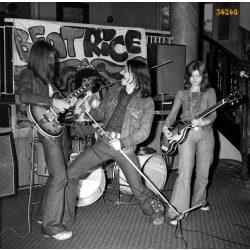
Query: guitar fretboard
x,y
203,114
79,91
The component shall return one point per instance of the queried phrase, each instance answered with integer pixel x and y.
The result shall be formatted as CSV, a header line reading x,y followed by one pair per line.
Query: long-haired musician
x,y
126,113
36,88
198,148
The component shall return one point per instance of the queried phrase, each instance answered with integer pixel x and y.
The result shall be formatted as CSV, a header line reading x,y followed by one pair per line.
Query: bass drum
x,y
154,167
91,188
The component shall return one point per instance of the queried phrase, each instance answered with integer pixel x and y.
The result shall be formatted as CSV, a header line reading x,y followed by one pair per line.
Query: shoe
x,y
158,214
205,208
61,236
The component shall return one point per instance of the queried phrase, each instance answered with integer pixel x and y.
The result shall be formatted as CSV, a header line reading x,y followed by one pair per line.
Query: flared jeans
x,y
196,152
51,208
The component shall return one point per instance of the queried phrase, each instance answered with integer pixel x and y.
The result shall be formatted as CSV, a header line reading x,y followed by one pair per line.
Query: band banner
x,y
107,48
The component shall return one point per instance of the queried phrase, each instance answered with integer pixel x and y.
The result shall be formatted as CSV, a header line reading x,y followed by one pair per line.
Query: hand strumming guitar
x,y
166,132
200,122
60,105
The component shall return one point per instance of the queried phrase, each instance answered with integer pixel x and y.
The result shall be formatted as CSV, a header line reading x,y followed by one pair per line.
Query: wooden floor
x,y
225,225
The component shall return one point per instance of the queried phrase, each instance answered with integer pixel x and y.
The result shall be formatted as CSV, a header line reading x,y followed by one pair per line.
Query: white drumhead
x,y
91,188
154,167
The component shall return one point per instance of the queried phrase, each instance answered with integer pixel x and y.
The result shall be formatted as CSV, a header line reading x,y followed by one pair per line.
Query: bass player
x,y
198,149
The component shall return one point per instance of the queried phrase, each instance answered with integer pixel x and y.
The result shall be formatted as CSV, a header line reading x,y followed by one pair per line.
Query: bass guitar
x,y
46,118
180,129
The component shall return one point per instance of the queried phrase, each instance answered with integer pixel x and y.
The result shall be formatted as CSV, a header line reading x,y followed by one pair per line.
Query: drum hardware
x,y
146,151
117,185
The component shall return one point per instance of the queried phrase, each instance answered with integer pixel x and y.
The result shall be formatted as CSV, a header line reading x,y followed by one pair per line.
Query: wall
x,y
124,14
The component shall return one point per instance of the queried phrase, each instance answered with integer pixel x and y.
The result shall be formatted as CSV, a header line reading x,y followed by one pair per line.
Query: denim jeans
x,y
197,150
51,207
88,160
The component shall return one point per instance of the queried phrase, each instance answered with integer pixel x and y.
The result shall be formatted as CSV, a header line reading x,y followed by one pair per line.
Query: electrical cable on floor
x,y
28,214
217,237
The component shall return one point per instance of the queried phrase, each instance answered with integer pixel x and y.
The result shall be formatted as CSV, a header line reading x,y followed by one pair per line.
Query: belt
x,y
111,134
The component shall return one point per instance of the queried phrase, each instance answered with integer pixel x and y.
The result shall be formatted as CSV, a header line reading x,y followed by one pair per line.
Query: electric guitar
x,y
180,129
46,118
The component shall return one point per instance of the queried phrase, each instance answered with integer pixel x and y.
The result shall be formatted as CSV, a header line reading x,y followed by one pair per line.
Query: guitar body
x,y
45,120
179,136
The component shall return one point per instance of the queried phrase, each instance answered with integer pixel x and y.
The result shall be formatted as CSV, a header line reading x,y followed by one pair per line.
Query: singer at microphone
x,y
126,113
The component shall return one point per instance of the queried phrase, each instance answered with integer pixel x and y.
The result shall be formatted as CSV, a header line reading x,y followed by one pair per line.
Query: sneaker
x,y
61,236
158,215
205,208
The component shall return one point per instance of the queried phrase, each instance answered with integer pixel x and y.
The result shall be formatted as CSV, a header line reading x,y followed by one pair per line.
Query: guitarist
x,y
196,97
35,88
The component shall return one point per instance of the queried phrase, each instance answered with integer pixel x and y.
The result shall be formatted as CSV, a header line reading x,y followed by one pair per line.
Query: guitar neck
x,y
78,92
205,113
210,110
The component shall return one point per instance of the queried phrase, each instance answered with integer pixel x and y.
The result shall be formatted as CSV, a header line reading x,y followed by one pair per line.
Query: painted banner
x,y
106,47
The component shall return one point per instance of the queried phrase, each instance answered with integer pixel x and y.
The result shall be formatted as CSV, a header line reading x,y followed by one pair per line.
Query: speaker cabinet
x,y
4,115
167,78
8,165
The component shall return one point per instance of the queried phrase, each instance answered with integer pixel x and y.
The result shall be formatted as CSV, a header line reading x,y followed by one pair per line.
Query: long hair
x,y
201,67
42,61
141,74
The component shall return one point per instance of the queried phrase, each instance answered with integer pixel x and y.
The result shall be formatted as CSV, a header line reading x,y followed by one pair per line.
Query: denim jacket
x,y
138,118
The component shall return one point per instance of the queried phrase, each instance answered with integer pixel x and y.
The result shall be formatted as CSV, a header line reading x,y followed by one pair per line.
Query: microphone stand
x,y
161,64
178,228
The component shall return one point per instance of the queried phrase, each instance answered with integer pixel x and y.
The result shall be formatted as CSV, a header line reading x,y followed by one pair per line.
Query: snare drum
x,y
154,167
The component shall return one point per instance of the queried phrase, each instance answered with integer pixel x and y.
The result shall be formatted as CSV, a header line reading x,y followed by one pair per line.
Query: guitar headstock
x,y
233,97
